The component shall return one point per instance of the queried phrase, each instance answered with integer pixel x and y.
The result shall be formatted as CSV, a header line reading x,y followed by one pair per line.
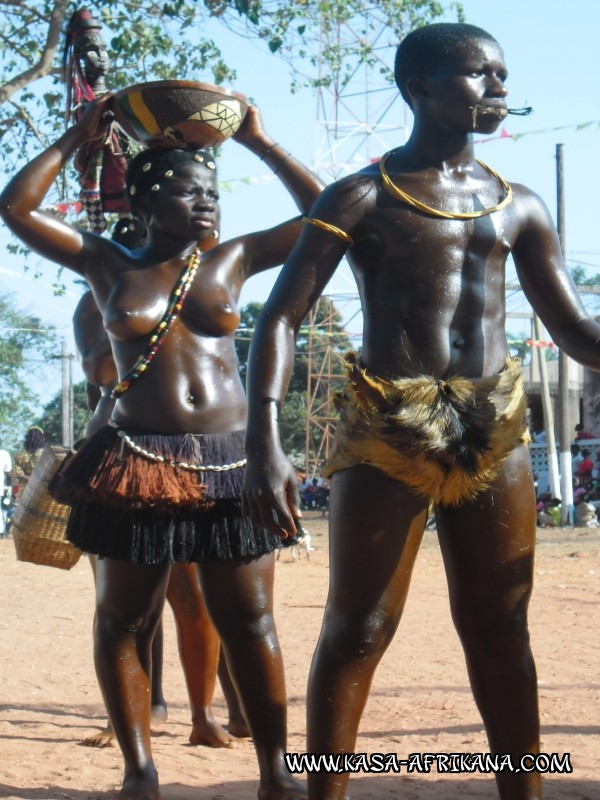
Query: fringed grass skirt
x,y
151,499
445,439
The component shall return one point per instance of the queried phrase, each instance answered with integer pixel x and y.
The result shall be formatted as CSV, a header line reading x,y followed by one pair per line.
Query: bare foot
x,y
104,738
282,787
211,734
159,714
141,787
238,727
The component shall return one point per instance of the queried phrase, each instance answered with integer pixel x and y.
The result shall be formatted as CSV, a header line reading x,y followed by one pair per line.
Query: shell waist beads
x,y
157,337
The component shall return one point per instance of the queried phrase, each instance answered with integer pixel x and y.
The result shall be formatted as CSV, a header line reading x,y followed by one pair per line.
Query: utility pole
x,y
67,396
553,471
566,466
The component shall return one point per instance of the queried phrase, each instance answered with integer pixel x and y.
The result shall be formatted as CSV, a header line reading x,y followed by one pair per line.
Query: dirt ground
x,y
420,701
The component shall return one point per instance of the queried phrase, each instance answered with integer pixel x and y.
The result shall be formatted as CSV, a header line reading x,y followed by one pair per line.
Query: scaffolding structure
x,y
360,115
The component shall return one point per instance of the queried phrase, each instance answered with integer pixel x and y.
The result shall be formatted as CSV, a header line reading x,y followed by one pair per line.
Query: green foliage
x,y
292,424
26,343
146,40
320,345
248,318
517,343
50,420
150,41
581,278
325,42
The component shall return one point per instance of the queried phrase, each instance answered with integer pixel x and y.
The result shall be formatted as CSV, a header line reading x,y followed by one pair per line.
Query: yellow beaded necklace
x,y
394,190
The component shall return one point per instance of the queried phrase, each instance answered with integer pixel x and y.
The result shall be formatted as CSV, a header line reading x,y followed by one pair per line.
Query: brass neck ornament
x,y
396,192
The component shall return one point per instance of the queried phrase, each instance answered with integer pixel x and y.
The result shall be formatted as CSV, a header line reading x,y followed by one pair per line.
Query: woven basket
x,y
39,522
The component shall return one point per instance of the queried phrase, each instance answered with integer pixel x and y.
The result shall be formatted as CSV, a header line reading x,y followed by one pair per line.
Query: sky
x,y
551,53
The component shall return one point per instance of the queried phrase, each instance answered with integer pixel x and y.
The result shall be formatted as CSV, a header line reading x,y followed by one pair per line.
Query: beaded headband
x,y
208,163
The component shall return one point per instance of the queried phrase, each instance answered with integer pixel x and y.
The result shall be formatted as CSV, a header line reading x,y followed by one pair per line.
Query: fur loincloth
x,y
445,439
129,507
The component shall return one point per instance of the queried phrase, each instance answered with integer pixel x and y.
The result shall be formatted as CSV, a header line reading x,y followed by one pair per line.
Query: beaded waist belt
x,y
160,459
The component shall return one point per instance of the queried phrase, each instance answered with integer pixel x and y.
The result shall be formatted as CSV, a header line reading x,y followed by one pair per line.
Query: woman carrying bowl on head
x,y
198,643
161,483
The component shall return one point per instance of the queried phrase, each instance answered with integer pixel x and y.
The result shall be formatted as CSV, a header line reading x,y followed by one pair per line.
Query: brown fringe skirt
x,y
135,497
445,439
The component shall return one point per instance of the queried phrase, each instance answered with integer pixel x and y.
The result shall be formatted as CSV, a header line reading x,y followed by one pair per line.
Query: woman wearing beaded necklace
x,y
162,483
433,415
198,642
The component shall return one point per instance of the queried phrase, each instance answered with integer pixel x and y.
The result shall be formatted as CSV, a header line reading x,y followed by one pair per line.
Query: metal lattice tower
x,y
360,115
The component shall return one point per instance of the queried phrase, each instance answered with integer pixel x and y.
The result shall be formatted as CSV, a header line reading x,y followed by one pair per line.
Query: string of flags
x,y
541,344
75,207
504,134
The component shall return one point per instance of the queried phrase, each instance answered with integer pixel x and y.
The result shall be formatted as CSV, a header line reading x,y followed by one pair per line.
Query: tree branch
x,y
44,65
28,121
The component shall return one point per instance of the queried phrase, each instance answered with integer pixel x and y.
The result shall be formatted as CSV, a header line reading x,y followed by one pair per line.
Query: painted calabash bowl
x,y
183,114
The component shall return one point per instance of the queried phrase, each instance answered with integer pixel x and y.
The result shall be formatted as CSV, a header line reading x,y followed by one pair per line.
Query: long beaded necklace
x,y
394,190
157,337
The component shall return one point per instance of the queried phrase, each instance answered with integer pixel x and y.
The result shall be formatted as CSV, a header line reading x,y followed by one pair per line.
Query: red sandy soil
x,y
420,700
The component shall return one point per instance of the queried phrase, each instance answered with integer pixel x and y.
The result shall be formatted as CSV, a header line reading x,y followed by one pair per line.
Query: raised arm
x,y
269,248
21,200
270,494
549,287
302,184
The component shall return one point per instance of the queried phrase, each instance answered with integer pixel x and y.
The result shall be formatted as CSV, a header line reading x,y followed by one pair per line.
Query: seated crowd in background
x,y
585,462
314,494
16,472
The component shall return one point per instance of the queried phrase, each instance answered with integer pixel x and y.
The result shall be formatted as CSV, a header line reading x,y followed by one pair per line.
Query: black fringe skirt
x,y
132,500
